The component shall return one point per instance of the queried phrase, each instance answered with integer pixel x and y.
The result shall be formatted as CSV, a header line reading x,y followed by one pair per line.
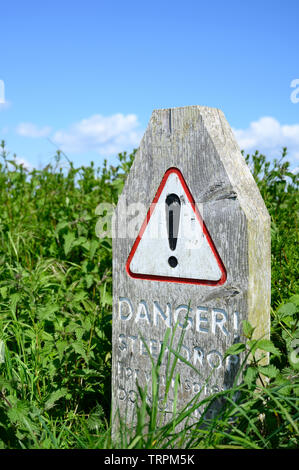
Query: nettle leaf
x,y
79,332
235,349
94,244
288,309
14,299
269,371
61,348
86,244
72,326
79,296
247,329
268,346
5,384
84,266
95,419
54,397
289,321
295,299
89,279
18,411
47,313
78,347
285,385
79,242
250,375
48,337
3,292
287,338
86,323
60,226
69,239
106,298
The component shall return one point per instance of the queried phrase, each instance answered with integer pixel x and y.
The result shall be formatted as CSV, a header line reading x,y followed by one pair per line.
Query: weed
x,y
56,311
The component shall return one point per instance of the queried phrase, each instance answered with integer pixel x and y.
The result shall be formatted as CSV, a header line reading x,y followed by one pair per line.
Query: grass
x,y
55,322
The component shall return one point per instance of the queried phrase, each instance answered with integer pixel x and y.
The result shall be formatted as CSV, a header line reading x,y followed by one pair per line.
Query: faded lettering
x,y
125,308
219,318
202,320
159,312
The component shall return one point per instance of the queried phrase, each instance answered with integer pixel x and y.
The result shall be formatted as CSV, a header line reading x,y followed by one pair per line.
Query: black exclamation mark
x,y
173,210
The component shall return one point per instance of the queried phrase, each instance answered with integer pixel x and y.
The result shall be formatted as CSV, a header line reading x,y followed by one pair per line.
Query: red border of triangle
x,y
151,277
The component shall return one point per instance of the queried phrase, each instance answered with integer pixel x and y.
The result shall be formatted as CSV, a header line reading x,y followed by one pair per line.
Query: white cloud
x,y
24,162
4,105
27,129
269,136
106,135
109,135
20,161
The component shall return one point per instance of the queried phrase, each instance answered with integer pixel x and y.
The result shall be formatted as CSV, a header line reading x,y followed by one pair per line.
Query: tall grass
x,y
251,415
55,322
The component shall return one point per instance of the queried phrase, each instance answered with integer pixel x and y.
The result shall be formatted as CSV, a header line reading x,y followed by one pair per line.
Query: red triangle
x,y
205,231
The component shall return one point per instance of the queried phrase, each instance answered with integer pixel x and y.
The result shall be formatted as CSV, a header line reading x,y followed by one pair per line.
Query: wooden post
x,y
191,245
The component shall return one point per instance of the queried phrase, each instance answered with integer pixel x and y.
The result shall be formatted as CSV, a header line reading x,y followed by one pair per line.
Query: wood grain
x,y
199,142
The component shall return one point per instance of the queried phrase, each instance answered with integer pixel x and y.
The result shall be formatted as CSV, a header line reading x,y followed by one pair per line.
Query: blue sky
x,y
85,76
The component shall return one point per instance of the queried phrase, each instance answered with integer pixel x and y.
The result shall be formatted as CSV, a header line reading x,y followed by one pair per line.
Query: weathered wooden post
x,y
191,244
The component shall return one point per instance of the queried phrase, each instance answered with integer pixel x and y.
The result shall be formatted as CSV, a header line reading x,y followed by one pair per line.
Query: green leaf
x,y
288,309
61,348
268,346
79,296
14,299
95,419
269,371
78,347
72,326
284,384
295,299
60,226
250,375
47,313
79,241
5,384
289,321
94,244
106,298
247,329
235,349
89,279
3,292
69,238
79,332
18,411
54,397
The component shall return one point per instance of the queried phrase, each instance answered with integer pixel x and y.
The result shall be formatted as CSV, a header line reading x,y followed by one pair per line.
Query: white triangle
x,y
194,251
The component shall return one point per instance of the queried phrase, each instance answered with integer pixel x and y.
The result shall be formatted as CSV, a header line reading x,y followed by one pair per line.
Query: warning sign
x,y
173,243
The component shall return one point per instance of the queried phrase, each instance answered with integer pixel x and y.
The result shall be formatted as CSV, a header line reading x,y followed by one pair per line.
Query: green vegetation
x,y
55,322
